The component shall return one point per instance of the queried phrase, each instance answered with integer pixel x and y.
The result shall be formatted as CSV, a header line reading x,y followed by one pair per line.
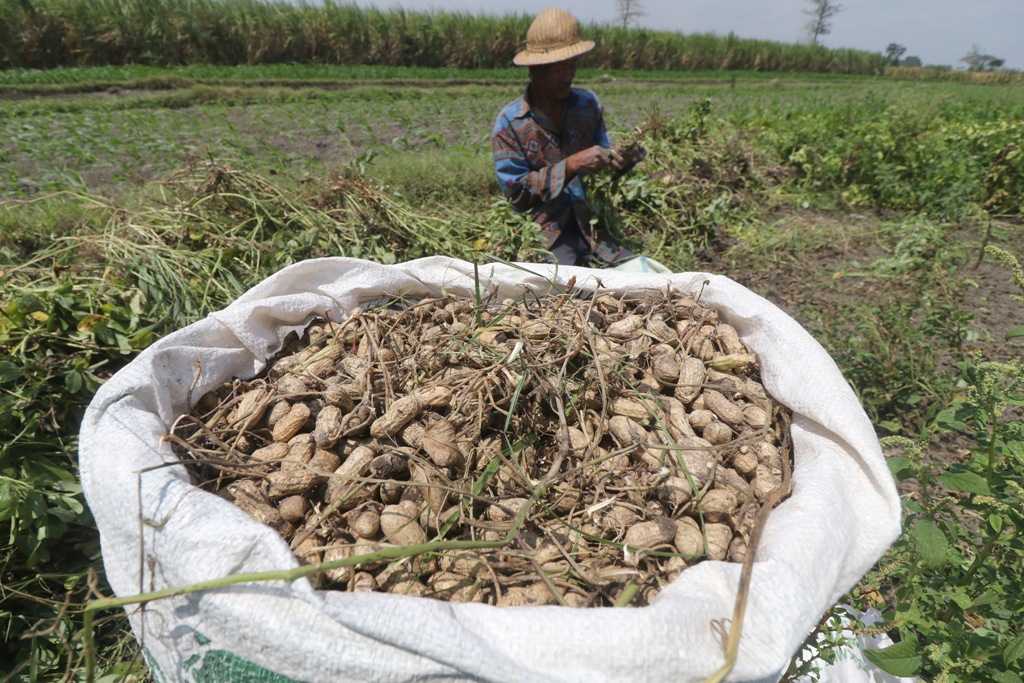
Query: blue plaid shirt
x,y
529,160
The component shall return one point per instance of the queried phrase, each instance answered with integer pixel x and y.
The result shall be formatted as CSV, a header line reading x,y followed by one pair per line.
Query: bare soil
x,y
824,276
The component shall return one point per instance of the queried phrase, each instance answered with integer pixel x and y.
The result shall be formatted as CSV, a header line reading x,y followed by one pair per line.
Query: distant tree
x,y
976,60
629,11
893,53
973,59
912,60
821,13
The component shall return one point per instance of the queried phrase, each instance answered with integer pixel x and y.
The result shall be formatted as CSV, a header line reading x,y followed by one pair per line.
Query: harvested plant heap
x,y
576,449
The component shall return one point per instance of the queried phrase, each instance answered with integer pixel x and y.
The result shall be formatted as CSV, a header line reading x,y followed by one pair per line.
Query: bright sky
x,y
938,31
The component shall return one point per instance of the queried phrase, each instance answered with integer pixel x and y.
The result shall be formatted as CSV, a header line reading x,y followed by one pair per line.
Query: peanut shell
x,y
366,524
756,417
292,384
440,442
730,478
626,328
726,410
646,535
765,481
691,379
293,508
632,408
717,505
699,462
675,491
699,419
678,423
732,362
328,427
717,433
688,539
274,453
277,411
250,407
745,463
404,410
619,517
719,536
363,582
505,510
659,329
729,338
292,423
400,526
291,482
338,574
357,464
737,550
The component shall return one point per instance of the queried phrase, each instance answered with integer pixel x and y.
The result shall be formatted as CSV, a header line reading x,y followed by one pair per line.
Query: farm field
x,y
121,136
881,214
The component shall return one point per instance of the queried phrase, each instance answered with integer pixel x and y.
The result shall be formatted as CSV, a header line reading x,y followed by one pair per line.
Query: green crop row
x,y
51,33
107,75
947,164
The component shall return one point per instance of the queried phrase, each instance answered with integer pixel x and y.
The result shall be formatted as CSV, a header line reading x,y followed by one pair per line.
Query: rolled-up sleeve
x,y
525,188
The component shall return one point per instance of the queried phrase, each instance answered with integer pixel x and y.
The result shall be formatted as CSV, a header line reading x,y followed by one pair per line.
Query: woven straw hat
x,y
554,36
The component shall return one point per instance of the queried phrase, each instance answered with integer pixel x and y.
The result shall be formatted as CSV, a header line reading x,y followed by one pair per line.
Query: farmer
x,y
546,141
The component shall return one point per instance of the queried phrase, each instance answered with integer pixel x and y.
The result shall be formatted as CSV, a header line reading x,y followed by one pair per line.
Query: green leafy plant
x,y
825,645
953,586
59,340
939,163
696,181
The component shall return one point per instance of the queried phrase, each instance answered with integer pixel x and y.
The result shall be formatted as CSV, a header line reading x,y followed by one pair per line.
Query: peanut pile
x,y
584,447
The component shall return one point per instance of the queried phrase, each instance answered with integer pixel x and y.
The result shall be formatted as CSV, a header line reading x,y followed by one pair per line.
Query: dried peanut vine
x,y
578,449
434,420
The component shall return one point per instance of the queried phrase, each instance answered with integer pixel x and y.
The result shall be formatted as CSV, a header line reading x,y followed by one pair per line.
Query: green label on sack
x,y
219,666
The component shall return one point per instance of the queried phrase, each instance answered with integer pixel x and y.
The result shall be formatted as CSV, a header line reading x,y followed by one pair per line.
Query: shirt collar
x,y
524,102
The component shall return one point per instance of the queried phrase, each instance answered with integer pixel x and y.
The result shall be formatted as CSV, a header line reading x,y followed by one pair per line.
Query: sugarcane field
x,y
621,341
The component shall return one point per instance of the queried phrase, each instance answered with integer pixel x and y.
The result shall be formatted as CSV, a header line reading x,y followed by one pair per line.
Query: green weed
x,y
952,584
950,588
951,164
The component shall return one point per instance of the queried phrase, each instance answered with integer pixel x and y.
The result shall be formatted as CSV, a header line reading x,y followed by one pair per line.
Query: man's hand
x,y
632,155
591,160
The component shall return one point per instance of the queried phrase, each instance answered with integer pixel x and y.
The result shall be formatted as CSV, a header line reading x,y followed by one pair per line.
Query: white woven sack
x,y
843,514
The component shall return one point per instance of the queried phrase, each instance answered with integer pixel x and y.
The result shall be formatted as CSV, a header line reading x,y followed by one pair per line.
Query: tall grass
x,y
912,73
51,33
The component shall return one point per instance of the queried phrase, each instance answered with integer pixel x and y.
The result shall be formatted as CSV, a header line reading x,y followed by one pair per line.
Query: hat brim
x,y
528,58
